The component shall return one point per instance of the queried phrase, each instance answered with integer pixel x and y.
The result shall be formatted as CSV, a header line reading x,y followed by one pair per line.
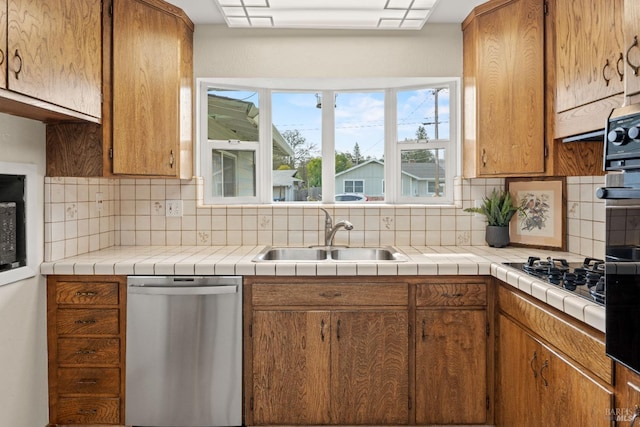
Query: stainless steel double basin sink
x,y
331,254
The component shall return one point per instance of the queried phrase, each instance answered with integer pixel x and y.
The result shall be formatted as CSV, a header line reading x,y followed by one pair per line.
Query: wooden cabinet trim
x,y
451,295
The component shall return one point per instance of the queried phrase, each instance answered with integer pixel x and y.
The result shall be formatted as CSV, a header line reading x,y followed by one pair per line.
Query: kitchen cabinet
x,y
627,396
147,128
589,63
548,367
632,52
451,353
536,383
328,353
85,334
504,91
50,59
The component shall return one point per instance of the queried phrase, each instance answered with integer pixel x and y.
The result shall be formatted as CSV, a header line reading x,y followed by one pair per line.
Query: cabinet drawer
x,y
379,294
88,351
88,321
87,293
451,294
102,381
88,410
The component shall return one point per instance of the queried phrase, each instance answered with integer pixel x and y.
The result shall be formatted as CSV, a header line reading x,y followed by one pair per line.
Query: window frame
x,y
392,147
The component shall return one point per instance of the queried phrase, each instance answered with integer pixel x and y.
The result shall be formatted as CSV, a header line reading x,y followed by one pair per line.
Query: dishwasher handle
x,y
183,290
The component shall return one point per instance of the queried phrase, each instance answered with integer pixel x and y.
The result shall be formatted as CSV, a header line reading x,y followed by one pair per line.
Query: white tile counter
x,y
424,260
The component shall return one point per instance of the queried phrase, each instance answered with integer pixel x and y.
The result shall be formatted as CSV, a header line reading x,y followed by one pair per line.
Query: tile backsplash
x,y
87,214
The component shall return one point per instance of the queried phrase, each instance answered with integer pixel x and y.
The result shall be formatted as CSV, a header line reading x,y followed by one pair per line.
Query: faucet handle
x,y
327,216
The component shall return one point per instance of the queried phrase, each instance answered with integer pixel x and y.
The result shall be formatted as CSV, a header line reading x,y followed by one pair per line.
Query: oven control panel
x,y
622,143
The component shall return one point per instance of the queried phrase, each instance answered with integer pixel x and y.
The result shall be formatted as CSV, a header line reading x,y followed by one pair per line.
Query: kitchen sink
x,y
337,254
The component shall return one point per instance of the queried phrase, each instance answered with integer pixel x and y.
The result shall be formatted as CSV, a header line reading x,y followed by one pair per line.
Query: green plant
x,y
498,208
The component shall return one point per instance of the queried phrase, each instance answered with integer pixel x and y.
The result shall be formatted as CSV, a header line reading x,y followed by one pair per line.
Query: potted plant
x,y
498,209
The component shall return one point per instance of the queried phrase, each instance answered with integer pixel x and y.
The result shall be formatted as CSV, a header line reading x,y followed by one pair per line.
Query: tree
x,y
343,162
302,150
357,156
421,134
314,172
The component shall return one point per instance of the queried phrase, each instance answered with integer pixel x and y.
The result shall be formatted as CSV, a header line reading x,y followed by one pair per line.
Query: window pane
x,y
423,172
297,146
234,173
359,143
423,114
233,115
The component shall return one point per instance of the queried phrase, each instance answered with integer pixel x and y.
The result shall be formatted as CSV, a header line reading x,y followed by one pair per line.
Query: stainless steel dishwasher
x,y
184,351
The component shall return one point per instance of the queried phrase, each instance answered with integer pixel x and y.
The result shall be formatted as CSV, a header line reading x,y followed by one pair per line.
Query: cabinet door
x,y
451,363
54,52
632,46
563,384
146,84
369,367
518,364
3,44
589,39
510,89
291,351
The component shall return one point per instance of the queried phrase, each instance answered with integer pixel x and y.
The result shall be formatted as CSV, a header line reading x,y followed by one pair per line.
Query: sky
x,y
359,116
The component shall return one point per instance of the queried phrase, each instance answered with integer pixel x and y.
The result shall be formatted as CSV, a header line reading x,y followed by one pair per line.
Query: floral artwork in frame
x,y
541,220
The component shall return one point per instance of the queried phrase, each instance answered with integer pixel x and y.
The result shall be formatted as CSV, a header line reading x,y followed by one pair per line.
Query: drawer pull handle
x,y
87,381
330,295
87,411
533,360
86,294
448,295
86,352
545,365
85,321
634,67
17,60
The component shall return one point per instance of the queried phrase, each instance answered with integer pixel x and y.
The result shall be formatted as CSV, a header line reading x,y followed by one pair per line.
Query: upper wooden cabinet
x,y
147,128
632,49
150,51
589,63
503,43
50,59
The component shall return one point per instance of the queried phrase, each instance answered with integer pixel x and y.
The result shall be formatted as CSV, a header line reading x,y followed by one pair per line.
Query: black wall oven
x,y
622,246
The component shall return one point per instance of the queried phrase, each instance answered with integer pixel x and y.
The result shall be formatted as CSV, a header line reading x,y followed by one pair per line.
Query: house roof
x,y
284,178
420,171
236,119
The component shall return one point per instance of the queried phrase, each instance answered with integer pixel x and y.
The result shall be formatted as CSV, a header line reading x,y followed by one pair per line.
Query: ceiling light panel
x,y
345,14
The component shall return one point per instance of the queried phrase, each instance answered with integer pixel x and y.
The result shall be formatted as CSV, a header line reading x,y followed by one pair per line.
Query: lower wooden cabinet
x,y
365,351
86,324
451,354
537,381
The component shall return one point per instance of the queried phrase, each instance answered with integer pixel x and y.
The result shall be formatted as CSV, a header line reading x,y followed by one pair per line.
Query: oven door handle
x,y
618,193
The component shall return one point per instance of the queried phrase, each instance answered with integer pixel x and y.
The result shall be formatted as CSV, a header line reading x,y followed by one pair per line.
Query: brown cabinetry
x,y
50,59
328,353
503,66
85,316
548,368
589,63
147,128
451,353
632,49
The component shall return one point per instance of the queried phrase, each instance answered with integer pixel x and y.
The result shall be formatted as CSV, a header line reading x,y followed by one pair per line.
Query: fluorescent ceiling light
x,y
347,14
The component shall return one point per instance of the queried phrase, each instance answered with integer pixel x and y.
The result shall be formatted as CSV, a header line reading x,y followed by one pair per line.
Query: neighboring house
x,y
285,185
418,179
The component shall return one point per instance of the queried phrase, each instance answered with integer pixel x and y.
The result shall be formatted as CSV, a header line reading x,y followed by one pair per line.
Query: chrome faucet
x,y
330,230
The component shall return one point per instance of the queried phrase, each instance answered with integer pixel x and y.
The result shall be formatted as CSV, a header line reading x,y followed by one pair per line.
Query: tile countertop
x,y
422,260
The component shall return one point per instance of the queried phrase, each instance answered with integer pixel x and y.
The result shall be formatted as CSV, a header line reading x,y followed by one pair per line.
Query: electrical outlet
x,y
99,201
173,208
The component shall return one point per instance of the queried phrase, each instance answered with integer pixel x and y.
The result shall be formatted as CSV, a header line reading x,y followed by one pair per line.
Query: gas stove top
x,y
584,279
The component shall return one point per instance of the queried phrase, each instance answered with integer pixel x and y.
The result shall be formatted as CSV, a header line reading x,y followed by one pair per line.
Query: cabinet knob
x,y
634,67
620,66
605,76
17,59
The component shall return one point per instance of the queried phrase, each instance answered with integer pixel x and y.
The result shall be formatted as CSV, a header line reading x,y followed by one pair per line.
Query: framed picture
x,y
541,223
